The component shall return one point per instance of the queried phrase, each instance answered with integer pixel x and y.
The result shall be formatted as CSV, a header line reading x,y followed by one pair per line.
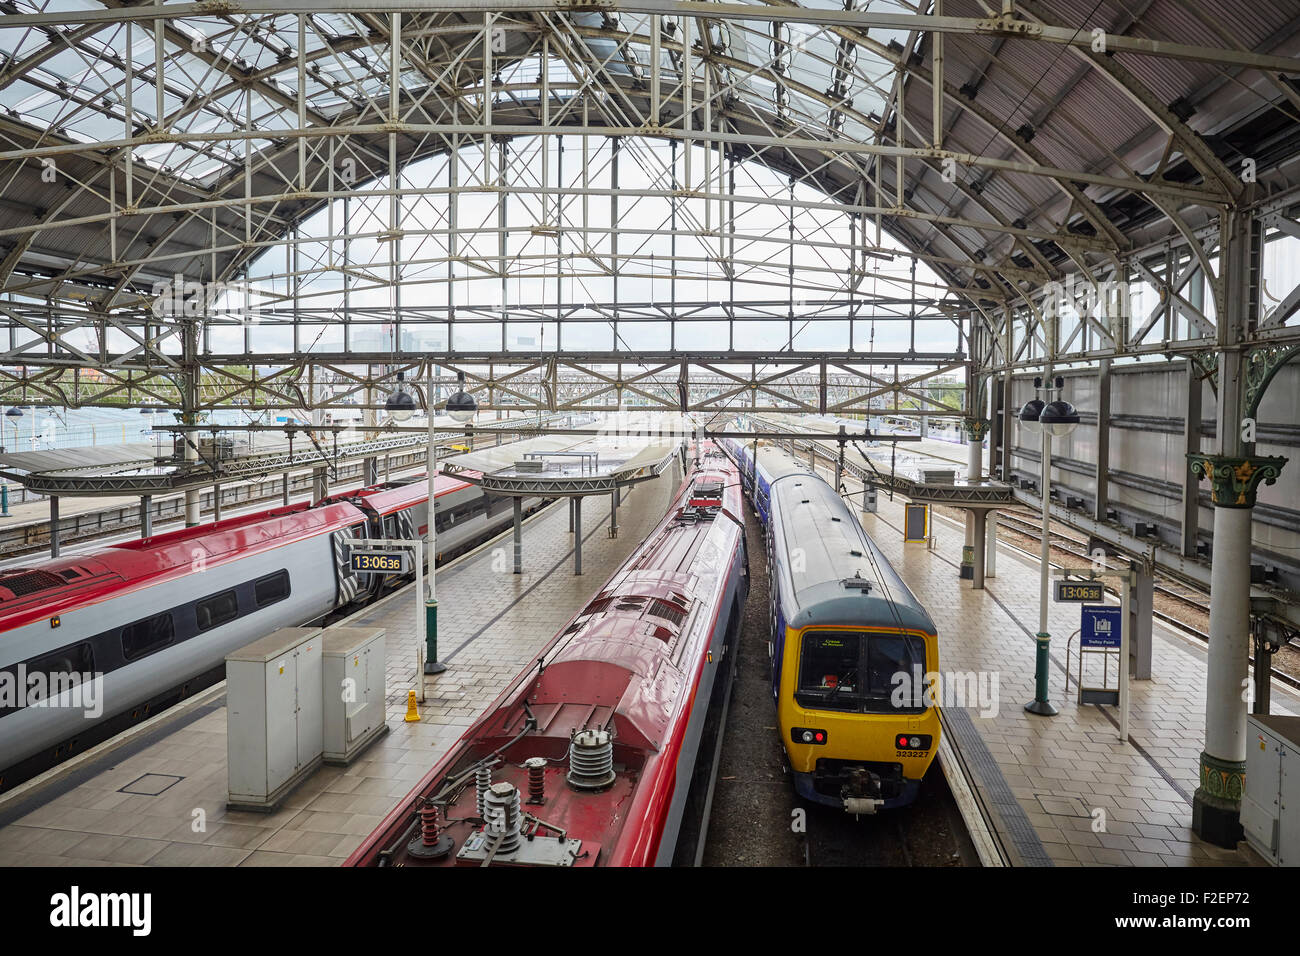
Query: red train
x,y
601,753
95,641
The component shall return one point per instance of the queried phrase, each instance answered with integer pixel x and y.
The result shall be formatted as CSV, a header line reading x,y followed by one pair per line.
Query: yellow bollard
x,y
412,711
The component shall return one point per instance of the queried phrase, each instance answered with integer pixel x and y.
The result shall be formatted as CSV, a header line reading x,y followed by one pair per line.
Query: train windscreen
x,y
862,673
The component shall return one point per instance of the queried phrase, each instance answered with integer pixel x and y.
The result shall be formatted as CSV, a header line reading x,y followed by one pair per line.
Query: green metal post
x,y
1040,704
431,663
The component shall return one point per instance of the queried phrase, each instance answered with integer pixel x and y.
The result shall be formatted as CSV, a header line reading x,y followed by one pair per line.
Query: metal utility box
x,y
868,498
273,716
1273,788
353,691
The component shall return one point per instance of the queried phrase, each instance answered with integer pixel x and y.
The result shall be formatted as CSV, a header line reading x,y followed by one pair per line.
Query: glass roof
x,y
80,91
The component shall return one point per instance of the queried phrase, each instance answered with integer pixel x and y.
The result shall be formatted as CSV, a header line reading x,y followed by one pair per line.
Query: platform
x,y
97,810
1042,779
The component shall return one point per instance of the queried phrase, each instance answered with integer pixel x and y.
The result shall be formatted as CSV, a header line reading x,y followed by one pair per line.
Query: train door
x,y
350,586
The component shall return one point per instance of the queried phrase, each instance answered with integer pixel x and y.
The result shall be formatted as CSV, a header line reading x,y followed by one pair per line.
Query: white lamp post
x,y
460,408
1051,420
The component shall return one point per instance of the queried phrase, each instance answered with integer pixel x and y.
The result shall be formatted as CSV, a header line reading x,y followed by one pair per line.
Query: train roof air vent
x,y
29,582
668,612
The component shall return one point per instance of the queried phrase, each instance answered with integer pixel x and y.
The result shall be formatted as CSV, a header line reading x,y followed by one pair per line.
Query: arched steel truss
x,y
1006,149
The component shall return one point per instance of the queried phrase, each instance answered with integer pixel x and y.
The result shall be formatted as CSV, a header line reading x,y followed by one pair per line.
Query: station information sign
x,y
1099,627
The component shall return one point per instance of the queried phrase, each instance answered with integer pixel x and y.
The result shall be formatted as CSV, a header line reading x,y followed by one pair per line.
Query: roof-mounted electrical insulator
x,y
591,760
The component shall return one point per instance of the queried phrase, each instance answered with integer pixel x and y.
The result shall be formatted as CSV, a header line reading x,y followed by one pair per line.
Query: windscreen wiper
x,y
836,689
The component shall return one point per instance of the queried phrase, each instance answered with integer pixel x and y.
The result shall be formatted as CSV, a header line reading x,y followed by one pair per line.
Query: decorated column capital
x,y
975,428
1234,480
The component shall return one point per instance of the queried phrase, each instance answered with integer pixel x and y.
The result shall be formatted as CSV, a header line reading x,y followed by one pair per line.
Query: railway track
x,y
930,832
1073,546
757,819
1176,591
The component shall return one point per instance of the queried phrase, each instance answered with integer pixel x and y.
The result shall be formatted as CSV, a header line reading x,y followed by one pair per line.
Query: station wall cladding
x,y
1147,461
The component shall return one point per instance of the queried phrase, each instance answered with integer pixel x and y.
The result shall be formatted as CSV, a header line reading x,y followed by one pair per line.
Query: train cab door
x,y
350,586
397,526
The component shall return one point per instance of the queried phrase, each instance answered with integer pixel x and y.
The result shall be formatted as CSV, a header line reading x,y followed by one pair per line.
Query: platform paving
x,y
491,624
1063,790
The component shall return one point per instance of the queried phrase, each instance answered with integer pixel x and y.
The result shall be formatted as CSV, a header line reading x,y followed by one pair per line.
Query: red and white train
x,y
93,642
601,753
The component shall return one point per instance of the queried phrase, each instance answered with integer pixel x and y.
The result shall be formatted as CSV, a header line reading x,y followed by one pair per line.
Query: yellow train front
x,y
852,651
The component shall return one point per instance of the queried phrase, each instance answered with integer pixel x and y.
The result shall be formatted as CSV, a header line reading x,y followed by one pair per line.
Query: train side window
x,y
144,637
61,670
271,588
217,610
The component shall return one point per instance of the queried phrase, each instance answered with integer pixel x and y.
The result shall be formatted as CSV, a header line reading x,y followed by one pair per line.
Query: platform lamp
x,y
461,408
1054,419
399,404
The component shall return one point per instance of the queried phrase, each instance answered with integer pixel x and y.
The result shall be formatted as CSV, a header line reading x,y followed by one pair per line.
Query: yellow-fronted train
x,y
851,646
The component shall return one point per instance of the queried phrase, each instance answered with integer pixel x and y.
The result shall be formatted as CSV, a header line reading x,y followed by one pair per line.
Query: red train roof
x,y
60,585
629,663
388,499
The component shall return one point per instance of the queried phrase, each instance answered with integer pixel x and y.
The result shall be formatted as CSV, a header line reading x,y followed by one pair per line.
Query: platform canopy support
x,y
54,526
1236,473
190,416
519,534
979,517
991,546
577,535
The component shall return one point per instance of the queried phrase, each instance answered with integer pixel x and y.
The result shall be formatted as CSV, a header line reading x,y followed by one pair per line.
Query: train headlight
x,y
808,735
919,742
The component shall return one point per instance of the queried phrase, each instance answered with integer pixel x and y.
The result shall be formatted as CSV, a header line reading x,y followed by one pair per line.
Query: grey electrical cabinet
x,y
1270,807
273,716
353,698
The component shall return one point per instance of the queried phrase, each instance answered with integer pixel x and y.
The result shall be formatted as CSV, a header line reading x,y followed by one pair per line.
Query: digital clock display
x,y
377,562
1075,591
